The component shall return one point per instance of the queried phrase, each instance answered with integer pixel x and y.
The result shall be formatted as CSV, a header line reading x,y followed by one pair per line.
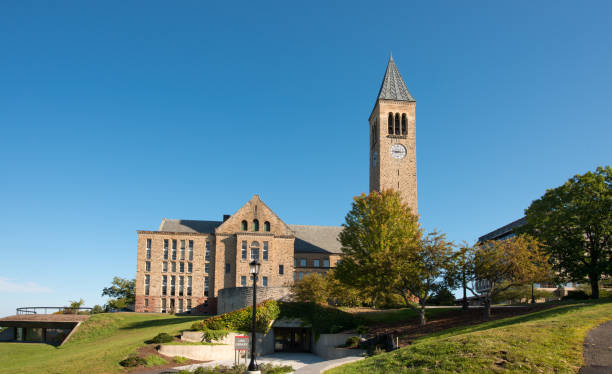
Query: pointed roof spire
x,y
393,86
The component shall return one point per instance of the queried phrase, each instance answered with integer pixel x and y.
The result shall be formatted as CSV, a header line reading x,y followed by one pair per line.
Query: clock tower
x,y
393,139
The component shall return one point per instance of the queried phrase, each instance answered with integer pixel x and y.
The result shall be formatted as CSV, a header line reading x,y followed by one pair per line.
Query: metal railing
x,y
53,309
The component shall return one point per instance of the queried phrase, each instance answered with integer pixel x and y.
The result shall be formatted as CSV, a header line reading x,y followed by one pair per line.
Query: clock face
x,y
374,158
398,151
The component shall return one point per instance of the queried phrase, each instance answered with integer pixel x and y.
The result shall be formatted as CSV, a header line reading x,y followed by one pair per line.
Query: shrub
x,y
240,320
352,342
575,295
361,330
161,338
180,359
132,360
213,335
266,368
154,360
323,319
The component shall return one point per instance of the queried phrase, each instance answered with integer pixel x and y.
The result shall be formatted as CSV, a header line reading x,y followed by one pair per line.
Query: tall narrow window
x,y
255,251
147,279
148,248
148,266
164,285
265,281
228,268
397,124
390,123
182,249
267,226
206,268
205,286
172,285
316,263
174,249
188,305
165,269
190,267
165,249
188,286
244,250
281,269
181,267
243,281
191,250
245,226
163,306
404,124
146,303
180,309
207,254
303,262
265,251
255,225
181,285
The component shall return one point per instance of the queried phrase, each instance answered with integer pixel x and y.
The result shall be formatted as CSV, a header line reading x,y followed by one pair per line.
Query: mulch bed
x,y
408,332
150,349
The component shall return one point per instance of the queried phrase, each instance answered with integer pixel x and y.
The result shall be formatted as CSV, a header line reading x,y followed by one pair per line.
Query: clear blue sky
x,y
114,115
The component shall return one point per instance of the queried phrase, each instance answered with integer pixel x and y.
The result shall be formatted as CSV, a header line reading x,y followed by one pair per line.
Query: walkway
x,y
325,365
598,350
295,360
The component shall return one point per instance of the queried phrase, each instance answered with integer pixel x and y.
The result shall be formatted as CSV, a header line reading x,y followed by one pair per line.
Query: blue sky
x,y
114,115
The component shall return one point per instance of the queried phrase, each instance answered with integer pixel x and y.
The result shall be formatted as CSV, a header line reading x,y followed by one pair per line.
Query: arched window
x,y
245,226
404,124
255,225
255,251
397,124
267,226
390,123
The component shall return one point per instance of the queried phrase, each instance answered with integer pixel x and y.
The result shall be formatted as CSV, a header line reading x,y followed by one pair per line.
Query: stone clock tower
x,y
393,138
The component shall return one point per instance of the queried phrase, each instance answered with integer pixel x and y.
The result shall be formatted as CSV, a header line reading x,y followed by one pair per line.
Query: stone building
x,y
198,266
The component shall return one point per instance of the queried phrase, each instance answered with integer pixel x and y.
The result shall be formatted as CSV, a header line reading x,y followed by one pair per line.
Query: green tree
x,y
459,273
312,288
121,292
575,221
497,265
74,306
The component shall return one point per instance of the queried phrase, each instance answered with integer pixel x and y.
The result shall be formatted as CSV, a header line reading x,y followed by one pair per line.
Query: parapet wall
x,y
230,299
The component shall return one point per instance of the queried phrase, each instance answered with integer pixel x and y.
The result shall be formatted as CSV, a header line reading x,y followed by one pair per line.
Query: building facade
x,y
183,266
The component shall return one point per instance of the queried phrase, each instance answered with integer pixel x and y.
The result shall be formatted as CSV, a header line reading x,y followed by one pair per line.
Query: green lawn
x,y
96,347
549,341
401,315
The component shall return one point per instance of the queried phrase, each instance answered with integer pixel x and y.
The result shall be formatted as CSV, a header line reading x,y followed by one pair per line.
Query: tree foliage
x,y
313,288
575,221
121,292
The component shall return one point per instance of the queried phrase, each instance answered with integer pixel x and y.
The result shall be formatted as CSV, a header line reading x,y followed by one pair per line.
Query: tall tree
x,y
575,221
459,273
498,265
122,293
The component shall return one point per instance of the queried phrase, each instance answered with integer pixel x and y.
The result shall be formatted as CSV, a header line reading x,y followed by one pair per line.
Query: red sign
x,y
241,343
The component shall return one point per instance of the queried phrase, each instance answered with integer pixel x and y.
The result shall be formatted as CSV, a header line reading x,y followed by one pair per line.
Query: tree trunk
x,y
422,315
464,304
487,309
594,280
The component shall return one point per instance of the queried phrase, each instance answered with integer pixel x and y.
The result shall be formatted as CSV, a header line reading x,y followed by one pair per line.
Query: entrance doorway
x,y
292,339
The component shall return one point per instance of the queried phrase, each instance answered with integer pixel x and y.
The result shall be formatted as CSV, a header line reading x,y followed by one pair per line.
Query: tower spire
x,y
393,86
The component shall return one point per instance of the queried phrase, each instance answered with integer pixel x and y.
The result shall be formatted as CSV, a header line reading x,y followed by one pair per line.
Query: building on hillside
x,y
203,266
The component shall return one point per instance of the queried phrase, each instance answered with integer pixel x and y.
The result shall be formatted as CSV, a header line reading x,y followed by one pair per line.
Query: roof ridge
x,y
393,86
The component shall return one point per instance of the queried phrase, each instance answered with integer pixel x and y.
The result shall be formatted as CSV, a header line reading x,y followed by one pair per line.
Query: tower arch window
x,y
404,124
245,226
267,226
255,225
397,124
390,123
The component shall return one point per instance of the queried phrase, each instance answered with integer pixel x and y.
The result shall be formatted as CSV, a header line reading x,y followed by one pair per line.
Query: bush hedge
x,y
162,337
323,319
240,320
133,360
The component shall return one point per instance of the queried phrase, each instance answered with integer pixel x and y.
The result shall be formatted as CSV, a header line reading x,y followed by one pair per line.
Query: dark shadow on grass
x,y
162,322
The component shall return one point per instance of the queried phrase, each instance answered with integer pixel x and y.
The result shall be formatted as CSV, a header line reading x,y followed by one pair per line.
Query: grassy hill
x,y
96,347
549,341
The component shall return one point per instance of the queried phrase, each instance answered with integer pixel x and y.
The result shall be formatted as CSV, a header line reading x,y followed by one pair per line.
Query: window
x,y
190,267
205,286
294,262
174,267
244,249
172,305
207,268
397,124
188,286
146,303
147,265
337,262
390,124
147,279
180,309
172,284
265,281
255,225
294,275
303,262
255,251
245,226
227,268
404,124
182,249
164,285
182,267
163,305
207,255
326,263
265,251
301,276
191,250
243,281
148,248
165,249
181,285
281,269
174,249
316,263
267,226
165,268
189,305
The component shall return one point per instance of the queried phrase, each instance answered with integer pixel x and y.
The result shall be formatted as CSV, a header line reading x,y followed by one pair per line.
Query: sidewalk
x,y
598,350
326,365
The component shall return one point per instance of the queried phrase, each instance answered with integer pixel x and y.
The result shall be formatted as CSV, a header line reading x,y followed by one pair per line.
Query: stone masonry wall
x,y
230,299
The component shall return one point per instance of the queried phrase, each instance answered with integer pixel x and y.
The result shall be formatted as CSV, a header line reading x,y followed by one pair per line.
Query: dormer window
x,y
255,225
245,226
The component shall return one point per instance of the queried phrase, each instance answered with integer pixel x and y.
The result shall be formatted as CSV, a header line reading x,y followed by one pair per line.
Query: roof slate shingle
x,y
393,86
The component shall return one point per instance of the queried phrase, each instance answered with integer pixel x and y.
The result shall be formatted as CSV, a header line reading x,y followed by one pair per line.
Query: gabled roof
x,y
185,225
317,239
393,86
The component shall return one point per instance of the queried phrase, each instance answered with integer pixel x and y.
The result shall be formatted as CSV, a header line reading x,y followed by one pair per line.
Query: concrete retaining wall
x,y
230,299
223,351
325,347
